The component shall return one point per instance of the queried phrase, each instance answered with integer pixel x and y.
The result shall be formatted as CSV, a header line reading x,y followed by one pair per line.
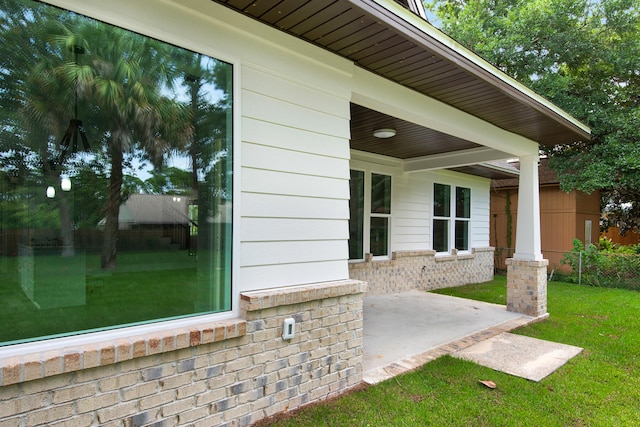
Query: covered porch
x,y
403,331
447,110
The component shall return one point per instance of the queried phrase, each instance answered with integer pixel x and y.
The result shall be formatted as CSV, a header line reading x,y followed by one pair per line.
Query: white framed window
x,y
441,217
380,218
116,184
370,214
356,215
451,218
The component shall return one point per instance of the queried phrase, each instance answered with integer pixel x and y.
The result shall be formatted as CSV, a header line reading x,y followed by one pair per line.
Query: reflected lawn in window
x,y
166,288
126,216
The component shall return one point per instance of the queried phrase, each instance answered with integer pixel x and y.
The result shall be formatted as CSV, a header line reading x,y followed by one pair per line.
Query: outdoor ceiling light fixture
x,y
384,133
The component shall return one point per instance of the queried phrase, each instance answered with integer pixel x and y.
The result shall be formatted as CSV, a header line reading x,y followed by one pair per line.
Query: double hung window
x,y
370,214
115,177
451,218
380,214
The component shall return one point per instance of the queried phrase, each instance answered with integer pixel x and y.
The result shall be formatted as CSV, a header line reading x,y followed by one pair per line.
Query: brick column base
x,y
527,286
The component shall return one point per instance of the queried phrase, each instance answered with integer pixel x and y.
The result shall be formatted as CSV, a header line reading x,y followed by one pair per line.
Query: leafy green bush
x,y
606,245
604,265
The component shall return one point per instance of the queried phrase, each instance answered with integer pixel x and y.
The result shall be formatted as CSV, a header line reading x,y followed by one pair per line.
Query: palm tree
x,y
128,75
33,101
119,79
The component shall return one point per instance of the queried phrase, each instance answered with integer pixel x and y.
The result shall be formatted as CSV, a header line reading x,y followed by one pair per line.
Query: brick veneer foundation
x,y
527,286
407,270
230,373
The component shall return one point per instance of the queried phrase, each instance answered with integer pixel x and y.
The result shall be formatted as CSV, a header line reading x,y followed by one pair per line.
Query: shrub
x,y
604,265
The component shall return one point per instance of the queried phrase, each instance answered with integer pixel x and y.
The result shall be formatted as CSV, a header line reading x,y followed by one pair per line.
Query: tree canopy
x,y
135,102
583,55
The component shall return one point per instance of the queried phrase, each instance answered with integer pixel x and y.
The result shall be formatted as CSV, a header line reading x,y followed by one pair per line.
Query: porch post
x,y
527,270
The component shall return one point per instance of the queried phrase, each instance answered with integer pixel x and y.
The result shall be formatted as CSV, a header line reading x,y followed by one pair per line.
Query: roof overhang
x,y
389,40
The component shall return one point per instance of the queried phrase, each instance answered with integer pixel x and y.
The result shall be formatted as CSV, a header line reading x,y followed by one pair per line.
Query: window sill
x,y
277,297
32,365
455,255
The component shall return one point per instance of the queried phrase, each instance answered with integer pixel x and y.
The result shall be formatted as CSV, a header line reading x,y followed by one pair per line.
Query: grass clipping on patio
x,y
599,387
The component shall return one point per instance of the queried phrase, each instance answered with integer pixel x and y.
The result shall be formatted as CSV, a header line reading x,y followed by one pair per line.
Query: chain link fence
x,y
595,268
588,266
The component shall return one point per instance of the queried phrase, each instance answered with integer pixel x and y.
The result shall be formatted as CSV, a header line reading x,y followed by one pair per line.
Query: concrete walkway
x,y
406,330
524,357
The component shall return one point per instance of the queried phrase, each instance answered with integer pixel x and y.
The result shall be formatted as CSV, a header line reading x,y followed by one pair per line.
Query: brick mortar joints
x,y
262,300
41,364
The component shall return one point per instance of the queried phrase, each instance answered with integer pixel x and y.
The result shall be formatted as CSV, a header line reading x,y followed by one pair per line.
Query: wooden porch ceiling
x,y
384,43
410,141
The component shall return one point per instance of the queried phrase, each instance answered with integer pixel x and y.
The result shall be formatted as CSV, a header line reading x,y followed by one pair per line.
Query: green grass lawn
x,y
147,286
599,387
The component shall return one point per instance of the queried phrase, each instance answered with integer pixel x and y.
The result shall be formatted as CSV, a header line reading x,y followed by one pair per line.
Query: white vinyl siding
x,y
294,181
412,214
412,205
291,159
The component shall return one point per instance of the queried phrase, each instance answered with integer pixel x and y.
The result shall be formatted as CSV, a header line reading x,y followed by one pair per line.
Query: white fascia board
x,y
363,156
425,27
495,167
454,159
385,96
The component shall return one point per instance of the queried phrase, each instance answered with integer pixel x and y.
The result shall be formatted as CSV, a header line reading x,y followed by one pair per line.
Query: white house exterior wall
x,y
412,263
292,142
412,203
290,221
295,181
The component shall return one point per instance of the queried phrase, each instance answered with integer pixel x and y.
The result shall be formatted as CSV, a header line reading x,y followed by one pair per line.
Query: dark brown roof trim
x,y
418,37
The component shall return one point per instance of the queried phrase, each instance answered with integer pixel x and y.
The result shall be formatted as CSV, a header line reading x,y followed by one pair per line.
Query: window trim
x,y
452,220
457,219
366,234
441,218
380,215
365,218
37,360
113,335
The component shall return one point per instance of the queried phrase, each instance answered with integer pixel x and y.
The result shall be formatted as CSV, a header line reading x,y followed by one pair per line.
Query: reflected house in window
x,y
156,222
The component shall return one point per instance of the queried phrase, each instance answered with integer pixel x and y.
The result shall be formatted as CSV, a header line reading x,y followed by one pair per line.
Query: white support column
x,y
527,270
528,226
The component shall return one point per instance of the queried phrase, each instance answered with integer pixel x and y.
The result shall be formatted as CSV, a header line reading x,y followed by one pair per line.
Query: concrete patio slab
x,y
406,330
521,356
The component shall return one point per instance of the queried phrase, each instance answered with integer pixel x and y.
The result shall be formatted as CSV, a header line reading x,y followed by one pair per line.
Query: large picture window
x,y
115,177
446,225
